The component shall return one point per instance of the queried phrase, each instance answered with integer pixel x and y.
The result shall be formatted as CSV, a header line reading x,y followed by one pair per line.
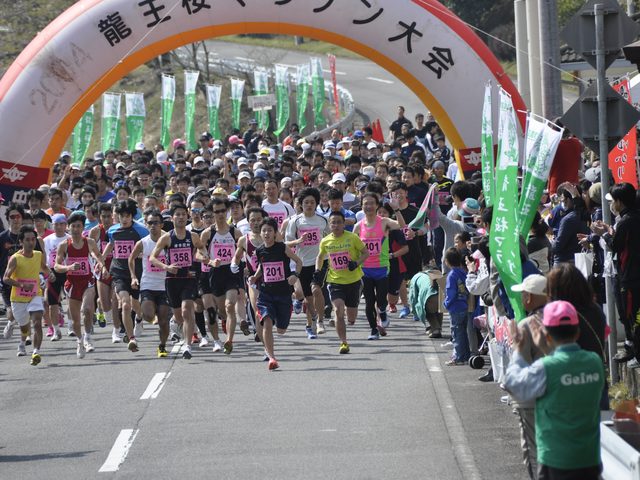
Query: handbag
x,y
584,263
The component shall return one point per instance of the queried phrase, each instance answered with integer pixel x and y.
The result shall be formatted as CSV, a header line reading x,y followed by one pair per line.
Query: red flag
x,y
378,136
336,99
622,159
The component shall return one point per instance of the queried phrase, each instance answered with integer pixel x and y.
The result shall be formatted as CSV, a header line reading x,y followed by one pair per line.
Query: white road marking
x,y
337,72
155,385
119,450
244,59
381,80
176,348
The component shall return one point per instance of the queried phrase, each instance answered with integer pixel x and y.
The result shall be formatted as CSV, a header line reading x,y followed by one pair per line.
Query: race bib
x,y
52,257
182,257
204,267
27,293
152,268
253,261
311,236
374,246
273,272
85,268
224,251
122,249
339,260
279,217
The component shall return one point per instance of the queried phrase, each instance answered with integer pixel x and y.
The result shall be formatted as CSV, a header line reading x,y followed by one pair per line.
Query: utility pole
x,y
533,35
522,49
550,59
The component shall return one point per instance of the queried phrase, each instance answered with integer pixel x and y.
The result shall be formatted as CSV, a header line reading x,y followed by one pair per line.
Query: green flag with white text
x,y
303,73
190,82
168,100
504,238
135,114
282,97
213,106
317,83
110,121
487,161
237,89
82,137
261,84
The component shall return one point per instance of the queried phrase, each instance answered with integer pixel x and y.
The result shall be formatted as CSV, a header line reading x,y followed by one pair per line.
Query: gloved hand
x,y
353,265
234,268
317,278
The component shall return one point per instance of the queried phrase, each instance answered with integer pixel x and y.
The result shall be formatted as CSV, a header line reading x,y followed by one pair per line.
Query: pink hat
x,y
234,140
559,313
178,142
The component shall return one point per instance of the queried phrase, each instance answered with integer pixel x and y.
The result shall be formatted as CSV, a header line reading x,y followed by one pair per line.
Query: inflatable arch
x,y
96,42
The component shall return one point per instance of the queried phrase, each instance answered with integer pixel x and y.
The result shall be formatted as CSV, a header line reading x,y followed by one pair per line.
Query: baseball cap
x,y
559,314
75,166
205,136
218,163
371,145
470,207
234,140
139,146
258,165
219,191
121,165
261,173
288,148
595,192
338,177
59,218
326,152
264,151
65,154
535,284
198,160
243,161
285,181
162,156
98,155
244,174
178,142
358,134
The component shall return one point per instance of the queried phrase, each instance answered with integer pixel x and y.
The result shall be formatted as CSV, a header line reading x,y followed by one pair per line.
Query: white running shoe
x,y
57,335
137,330
8,329
115,337
87,343
22,351
204,342
80,351
217,346
320,327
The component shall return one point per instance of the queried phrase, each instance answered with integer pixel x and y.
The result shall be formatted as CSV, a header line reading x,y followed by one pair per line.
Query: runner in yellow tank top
x,y
23,275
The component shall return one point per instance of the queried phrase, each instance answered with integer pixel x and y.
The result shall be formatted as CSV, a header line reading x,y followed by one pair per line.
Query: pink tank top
x,y
373,239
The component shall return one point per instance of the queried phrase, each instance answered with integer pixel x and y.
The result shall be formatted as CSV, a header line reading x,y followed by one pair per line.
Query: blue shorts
x,y
276,307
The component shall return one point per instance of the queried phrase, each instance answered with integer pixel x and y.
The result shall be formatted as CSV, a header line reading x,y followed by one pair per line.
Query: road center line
x,y
452,420
176,348
119,450
381,80
155,385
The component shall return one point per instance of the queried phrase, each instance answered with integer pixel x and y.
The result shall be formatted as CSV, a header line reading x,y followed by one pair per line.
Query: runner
x,y
398,248
181,282
373,230
122,238
10,244
153,295
72,258
220,240
275,207
197,225
305,230
22,275
55,284
346,253
276,285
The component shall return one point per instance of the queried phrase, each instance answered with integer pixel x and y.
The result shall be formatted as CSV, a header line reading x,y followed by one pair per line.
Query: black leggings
x,y
375,294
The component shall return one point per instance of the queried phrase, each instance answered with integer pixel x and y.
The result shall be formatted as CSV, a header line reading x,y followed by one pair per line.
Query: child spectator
x,y
456,302
461,242
567,386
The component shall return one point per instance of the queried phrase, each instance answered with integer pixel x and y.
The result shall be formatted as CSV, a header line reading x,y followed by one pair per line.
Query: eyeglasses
x,y
15,216
219,211
153,222
196,210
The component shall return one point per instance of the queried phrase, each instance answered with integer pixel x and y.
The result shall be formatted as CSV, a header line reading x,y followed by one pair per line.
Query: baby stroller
x,y
477,361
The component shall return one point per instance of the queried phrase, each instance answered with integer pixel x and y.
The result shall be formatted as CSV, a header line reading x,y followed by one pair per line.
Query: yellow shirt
x,y
27,270
341,250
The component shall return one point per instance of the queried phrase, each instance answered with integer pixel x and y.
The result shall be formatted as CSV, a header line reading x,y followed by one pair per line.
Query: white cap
x,y
288,148
162,156
243,161
198,160
306,146
369,171
139,146
284,181
244,174
534,284
338,177
257,165
218,163
372,145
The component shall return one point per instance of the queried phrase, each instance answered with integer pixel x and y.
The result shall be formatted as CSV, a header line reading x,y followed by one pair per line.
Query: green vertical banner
x,y
213,106
539,167
282,97
504,238
487,160
317,83
135,114
532,139
168,100
82,137
190,82
261,87
110,121
303,73
237,89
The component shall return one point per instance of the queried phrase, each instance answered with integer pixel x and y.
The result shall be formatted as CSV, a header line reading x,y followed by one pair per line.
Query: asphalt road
x,y
389,409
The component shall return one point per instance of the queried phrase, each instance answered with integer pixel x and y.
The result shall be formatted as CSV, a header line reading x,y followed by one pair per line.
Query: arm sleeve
x,y
525,382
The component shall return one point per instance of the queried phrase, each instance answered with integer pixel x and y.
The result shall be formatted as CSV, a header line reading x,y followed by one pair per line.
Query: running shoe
x,y
50,332
88,345
228,347
374,336
80,351
244,327
273,364
187,353
8,329
266,357
22,351
35,359
297,306
384,319
320,327
102,319
27,341
137,330
133,345
332,323
204,342
405,312
310,334
57,335
224,326
115,337
344,348
161,351
381,330
216,346
435,334
393,308
195,339
175,337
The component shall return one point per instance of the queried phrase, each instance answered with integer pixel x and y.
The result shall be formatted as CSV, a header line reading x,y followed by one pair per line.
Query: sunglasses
x,y
196,210
219,211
